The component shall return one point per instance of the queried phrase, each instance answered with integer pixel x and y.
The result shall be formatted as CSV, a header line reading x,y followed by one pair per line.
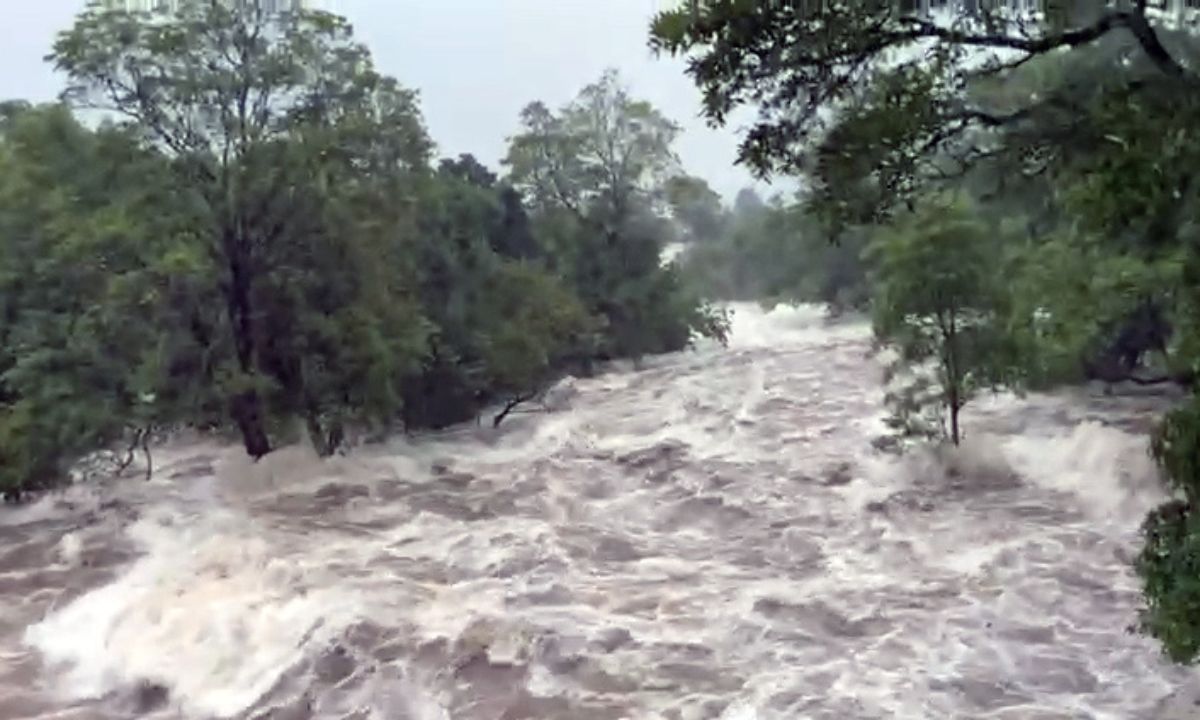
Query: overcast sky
x,y
476,63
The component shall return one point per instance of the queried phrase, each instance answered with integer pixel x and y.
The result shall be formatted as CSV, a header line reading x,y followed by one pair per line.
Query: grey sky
x,y
475,62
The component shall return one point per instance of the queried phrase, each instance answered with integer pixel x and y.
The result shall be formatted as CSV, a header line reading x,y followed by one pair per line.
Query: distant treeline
x,y
772,252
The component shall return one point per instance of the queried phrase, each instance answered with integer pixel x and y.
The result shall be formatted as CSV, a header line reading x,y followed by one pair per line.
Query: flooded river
x,y
708,536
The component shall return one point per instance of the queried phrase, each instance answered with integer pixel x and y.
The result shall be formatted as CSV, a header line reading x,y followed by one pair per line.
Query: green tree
x,y
778,252
593,173
938,299
502,323
278,126
1169,563
533,328
697,208
97,275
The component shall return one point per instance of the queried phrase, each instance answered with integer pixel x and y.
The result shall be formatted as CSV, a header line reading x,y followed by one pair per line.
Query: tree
x,y
696,207
873,100
1169,563
95,265
468,169
534,326
277,125
594,174
501,322
938,299
778,252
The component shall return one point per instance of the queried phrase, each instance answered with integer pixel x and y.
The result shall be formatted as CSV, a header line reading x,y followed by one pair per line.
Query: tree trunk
x,y
246,409
146,452
326,440
954,408
246,406
953,372
316,433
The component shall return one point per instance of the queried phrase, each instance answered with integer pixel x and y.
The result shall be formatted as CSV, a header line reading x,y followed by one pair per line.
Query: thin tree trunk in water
x,y
246,406
246,409
146,452
326,441
316,433
953,378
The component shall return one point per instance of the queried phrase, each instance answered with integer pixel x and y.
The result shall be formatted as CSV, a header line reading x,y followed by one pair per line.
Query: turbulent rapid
x,y
710,535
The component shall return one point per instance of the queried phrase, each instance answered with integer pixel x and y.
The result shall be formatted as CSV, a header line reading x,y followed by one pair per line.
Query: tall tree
x,y
605,152
938,298
270,119
594,173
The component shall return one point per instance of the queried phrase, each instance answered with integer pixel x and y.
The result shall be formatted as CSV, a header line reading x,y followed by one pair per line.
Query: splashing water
x,y
710,536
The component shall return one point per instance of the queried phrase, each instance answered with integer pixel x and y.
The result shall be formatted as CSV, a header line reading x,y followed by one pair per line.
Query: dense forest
x,y
1023,193
234,222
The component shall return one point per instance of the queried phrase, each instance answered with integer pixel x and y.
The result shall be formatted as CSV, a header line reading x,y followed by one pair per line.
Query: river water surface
x,y
708,536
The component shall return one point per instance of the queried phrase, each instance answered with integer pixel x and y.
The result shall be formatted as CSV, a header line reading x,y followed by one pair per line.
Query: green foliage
x,y
534,325
593,173
1070,289
92,258
697,208
876,102
1169,565
939,300
292,148
260,239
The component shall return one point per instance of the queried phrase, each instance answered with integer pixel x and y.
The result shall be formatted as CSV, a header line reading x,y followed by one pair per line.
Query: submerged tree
x,y
97,277
279,129
940,299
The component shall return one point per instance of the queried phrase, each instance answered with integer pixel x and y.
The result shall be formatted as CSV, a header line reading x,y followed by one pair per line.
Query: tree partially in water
x,y
281,133
97,280
595,172
940,299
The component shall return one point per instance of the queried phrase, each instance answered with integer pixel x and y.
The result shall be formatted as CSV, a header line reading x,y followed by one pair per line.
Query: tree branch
x,y
512,405
1136,22
1067,38
1148,38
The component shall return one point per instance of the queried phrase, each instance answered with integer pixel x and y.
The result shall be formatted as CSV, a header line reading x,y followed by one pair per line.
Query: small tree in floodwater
x,y
939,301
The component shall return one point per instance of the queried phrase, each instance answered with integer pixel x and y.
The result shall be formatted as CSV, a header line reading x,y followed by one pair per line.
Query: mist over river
x,y
708,536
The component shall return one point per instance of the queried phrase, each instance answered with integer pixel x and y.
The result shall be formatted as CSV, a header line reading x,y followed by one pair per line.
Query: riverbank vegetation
x,y
1070,140
234,222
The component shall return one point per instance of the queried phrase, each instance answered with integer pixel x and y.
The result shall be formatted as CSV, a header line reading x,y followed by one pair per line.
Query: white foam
x,y
1108,469
70,548
726,509
212,611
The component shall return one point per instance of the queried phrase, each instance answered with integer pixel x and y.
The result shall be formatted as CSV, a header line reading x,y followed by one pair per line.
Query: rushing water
x,y
708,536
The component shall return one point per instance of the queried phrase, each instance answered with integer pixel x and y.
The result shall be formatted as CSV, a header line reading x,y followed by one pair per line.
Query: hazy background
x,y
475,62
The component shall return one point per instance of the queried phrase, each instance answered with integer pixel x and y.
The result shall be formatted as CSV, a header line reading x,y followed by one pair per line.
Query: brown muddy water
x,y
709,536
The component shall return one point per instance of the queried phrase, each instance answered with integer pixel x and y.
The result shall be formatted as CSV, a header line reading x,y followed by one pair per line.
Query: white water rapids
x,y
709,536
